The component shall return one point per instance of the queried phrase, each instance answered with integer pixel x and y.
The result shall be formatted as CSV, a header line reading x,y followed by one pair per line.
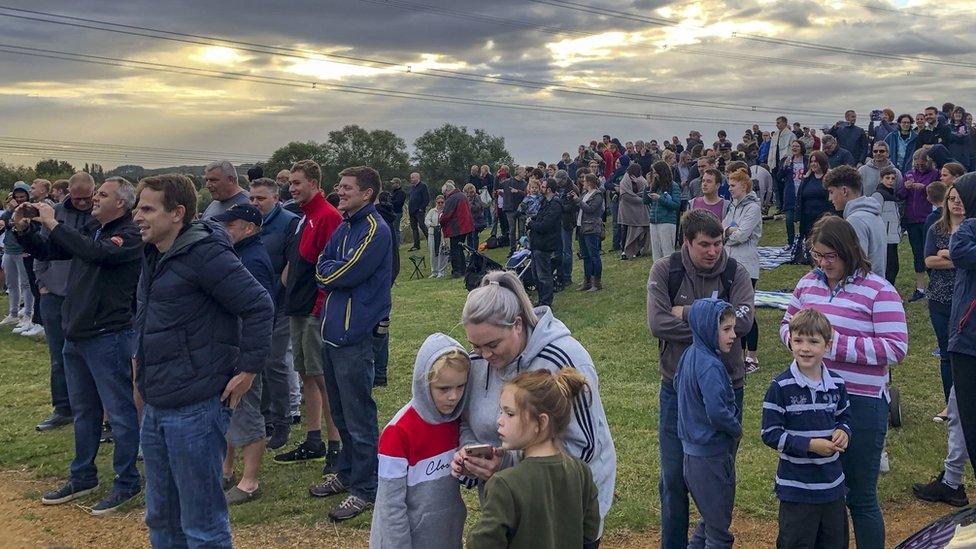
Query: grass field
x,y
610,324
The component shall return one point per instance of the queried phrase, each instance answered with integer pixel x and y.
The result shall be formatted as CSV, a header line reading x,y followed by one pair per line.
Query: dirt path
x,y
27,523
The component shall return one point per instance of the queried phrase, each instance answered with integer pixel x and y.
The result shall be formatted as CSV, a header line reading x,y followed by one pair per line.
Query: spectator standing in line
x,y
791,174
53,277
917,209
381,335
632,212
852,137
700,269
662,196
477,209
567,164
935,131
886,194
780,140
59,191
40,191
743,230
811,203
545,240
590,228
398,197
221,181
355,268
417,208
284,194
837,155
764,184
278,228
105,261
568,196
763,155
902,143
881,124
204,329
871,170
456,223
15,271
305,304
959,139
862,212
513,192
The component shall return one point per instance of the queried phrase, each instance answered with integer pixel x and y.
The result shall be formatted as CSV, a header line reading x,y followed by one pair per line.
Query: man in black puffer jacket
x,y
545,239
194,301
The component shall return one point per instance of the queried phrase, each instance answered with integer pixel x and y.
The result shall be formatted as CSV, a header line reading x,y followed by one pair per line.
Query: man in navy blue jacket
x,y
417,206
194,301
355,269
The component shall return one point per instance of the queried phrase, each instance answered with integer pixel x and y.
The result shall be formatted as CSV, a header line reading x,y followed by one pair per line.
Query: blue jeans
x,y
184,450
98,372
397,218
590,249
349,382
566,261
861,462
542,267
671,485
50,305
939,316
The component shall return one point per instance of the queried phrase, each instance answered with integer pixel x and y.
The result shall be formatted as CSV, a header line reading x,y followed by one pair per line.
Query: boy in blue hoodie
x,y
707,424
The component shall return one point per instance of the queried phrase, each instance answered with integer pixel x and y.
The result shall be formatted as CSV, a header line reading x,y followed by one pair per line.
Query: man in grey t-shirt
x,y
221,180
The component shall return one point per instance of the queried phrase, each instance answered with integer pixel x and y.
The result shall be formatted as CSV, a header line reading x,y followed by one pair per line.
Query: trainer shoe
x,y
331,458
34,330
919,294
10,320
329,487
113,502
279,435
65,493
939,491
23,325
349,508
304,452
54,421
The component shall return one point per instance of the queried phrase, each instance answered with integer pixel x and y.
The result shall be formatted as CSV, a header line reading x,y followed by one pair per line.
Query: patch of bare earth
x,y
27,523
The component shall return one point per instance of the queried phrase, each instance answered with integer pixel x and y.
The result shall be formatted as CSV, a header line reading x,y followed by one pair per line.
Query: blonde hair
x,y
552,393
455,359
499,300
810,322
740,176
468,187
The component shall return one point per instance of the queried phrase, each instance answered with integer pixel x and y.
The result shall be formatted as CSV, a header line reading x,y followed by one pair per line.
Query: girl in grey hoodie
x,y
510,337
418,502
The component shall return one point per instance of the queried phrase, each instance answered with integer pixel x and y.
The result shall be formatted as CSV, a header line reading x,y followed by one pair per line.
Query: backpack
x,y
676,273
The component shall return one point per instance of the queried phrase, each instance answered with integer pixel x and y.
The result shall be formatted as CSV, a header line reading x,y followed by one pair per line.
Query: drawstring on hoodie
x,y
518,370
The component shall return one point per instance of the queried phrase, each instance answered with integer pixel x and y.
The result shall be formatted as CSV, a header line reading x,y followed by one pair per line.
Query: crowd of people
x,y
191,337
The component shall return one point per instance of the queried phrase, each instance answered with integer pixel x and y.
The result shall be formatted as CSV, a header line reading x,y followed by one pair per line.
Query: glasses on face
x,y
828,258
880,151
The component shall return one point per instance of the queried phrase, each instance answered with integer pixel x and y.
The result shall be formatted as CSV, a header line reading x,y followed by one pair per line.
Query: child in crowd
x,y
891,215
548,499
418,502
438,256
804,417
935,193
707,424
532,201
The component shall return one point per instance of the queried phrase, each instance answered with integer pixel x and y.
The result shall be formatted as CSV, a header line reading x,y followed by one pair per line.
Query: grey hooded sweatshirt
x,y
864,214
418,502
550,346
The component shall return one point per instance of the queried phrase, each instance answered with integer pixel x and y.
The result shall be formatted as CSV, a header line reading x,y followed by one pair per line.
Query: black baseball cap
x,y
246,212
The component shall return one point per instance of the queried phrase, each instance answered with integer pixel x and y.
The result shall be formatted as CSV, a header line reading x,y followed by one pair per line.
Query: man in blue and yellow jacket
x,y
355,271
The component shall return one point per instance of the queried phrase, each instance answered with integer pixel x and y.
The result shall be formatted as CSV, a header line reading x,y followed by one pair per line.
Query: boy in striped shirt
x,y
805,416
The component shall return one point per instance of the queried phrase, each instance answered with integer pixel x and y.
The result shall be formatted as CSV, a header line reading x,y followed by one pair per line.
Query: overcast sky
x,y
703,58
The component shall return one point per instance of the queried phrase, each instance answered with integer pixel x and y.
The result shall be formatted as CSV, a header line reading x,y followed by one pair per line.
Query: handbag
x,y
485,196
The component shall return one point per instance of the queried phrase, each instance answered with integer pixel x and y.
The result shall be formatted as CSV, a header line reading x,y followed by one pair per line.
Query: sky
x,y
705,65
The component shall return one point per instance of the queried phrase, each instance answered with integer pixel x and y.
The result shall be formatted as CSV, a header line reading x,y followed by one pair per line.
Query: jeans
x,y
618,235
184,450
671,485
514,227
17,284
916,238
99,375
381,348
939,316
590,250
790,227
275,403
417,226
711,481
54,335
861,463
349,374
955,460
751,341
542,267
964,383
397,219
566,261
34,290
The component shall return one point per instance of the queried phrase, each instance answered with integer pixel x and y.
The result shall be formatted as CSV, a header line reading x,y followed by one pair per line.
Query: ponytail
x,y
552,393
499,300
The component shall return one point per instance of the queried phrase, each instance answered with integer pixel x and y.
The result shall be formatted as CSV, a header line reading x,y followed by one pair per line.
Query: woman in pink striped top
x,y
870,333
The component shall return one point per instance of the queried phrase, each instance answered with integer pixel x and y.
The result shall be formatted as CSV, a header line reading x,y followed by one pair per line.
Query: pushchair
x,y
478,265
520,263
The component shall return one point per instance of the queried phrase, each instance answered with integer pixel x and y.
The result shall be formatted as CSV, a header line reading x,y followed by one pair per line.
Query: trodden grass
x,y
611,324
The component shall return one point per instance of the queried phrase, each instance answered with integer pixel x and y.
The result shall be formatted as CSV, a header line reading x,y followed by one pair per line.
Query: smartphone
x,y
483,451
30,212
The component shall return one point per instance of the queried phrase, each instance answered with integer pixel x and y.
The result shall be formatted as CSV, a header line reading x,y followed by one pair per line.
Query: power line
x,y
403,68
345,88
666,22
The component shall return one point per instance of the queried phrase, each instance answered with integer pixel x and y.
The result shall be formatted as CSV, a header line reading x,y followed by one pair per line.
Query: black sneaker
x,y
331,458
349,508
107,437
279,436
304,452
939,491
296,419
919,294
379,382
54,421
65,493
330,487
113,502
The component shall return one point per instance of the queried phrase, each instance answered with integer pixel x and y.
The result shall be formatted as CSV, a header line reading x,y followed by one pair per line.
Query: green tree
x,y
283,158
449,152
352,145
52,169
10,174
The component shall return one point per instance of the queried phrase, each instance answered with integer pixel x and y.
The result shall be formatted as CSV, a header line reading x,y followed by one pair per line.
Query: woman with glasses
x,y
870,333
901,143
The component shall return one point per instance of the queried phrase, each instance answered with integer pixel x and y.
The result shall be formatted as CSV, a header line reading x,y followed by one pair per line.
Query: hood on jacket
x,y
703,320
862,204
435,346
940,155
749,197
966,187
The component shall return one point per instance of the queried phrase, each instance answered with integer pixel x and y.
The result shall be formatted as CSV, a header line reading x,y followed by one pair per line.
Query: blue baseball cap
x,y
21,186
245,212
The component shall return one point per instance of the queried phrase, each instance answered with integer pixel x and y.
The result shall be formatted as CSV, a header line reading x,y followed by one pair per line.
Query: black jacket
x,y
419,198
545,228
105,265
201,318
398,197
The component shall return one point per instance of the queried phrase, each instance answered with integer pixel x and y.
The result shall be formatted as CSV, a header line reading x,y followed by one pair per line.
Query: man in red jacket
x,y
456,222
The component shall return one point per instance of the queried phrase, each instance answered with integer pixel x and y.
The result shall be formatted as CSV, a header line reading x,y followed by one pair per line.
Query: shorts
x,y
246,422
306,344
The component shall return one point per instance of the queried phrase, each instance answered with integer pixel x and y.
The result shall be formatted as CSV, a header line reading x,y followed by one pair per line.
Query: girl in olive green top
x,y
548,500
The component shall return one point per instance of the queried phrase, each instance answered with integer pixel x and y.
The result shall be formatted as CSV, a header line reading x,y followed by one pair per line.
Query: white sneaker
x,y
9,320
23,325
34,330
884,465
